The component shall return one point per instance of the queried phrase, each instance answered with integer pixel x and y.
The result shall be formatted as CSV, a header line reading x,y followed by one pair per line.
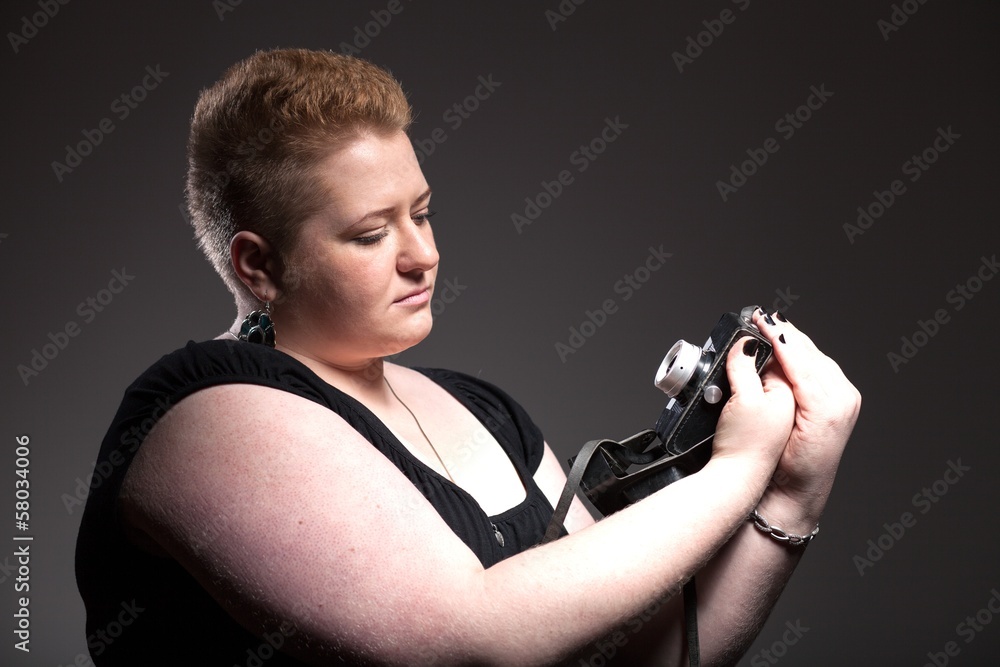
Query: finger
x,y
756,412
780,331
741,368
773,377
812,374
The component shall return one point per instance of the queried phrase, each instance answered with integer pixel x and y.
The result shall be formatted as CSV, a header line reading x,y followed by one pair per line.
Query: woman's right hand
x,y
757,420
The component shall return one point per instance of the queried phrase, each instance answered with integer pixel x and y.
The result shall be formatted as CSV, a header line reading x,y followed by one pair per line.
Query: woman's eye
x,y
425,216
371,239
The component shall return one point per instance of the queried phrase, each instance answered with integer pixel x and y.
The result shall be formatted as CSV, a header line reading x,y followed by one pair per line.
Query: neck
x,y
363,379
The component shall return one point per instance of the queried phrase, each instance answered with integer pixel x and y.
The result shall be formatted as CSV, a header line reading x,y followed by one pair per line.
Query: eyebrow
x,y
385,212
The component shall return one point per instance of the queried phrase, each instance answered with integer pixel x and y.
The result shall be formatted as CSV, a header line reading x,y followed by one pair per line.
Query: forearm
x,y
587,585
739,587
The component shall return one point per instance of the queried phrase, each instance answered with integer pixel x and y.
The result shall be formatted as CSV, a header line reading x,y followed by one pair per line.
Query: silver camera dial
x,y
677,367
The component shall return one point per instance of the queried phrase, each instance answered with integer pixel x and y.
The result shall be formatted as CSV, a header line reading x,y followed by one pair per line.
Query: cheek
x,y
295,276
368,282
349,282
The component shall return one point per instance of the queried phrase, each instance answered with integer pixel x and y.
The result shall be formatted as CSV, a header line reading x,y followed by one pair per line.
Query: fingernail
x,y
750,347
769,319
780,317
782,338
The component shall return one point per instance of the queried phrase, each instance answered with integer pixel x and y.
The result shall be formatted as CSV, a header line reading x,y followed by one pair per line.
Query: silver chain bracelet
x,y
761,524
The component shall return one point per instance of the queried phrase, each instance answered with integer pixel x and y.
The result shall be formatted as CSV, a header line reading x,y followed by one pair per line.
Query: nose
x,y
417,251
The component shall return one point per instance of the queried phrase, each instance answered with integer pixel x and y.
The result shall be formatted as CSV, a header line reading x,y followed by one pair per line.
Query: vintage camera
x,y
695,379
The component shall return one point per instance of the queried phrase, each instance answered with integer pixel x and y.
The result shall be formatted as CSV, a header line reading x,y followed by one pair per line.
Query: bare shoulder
x,y
284,513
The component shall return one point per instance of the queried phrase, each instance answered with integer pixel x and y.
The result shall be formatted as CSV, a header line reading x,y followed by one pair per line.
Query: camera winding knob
x,y
712,394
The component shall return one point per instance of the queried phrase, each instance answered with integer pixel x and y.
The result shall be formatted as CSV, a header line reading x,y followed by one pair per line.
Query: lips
x,y
416,297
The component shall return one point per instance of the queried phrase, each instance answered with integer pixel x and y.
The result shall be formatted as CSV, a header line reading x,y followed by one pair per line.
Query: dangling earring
x,y
258,327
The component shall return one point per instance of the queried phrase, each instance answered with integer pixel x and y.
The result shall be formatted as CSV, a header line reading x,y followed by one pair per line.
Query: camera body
x,y
697,383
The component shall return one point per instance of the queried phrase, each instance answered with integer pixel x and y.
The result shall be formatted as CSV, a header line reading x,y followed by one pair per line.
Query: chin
x,y
413,336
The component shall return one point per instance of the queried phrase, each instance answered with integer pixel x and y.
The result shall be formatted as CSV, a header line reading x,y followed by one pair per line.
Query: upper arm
x,y
551,479
284,513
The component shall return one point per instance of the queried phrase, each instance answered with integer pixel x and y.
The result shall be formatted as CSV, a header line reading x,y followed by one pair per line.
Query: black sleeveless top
x,y
147,610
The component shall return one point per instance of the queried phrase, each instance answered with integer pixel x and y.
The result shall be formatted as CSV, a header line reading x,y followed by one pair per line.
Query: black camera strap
x,y
691,622
556,528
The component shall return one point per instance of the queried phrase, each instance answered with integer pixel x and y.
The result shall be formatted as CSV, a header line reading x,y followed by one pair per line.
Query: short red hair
x,y
258,134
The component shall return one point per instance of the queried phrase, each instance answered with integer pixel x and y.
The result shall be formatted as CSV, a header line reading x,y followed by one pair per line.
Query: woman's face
x,y
359,281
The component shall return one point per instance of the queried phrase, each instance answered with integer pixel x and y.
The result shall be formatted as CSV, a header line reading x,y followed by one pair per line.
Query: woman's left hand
x,y
826,409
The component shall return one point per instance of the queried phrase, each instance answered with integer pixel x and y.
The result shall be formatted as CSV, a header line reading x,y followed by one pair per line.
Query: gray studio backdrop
x,y
609,176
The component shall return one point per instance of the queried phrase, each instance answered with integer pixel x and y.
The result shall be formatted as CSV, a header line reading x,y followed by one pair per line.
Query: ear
x,y
255,263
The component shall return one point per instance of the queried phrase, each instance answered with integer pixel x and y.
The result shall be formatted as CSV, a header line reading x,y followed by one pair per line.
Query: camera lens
x,y
677,368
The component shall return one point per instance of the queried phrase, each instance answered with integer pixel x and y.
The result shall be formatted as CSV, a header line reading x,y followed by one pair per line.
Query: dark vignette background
x,y
780,236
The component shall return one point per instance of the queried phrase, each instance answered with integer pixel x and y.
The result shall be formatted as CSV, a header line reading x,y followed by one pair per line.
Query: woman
x,y
310,502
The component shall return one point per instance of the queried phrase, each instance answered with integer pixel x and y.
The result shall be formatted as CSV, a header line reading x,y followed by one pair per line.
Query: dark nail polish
x,y
750,347
781,318
769,319
782,338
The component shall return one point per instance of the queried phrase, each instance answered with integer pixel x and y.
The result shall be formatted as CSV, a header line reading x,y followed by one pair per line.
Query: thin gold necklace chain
x,y
421,428
496,531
